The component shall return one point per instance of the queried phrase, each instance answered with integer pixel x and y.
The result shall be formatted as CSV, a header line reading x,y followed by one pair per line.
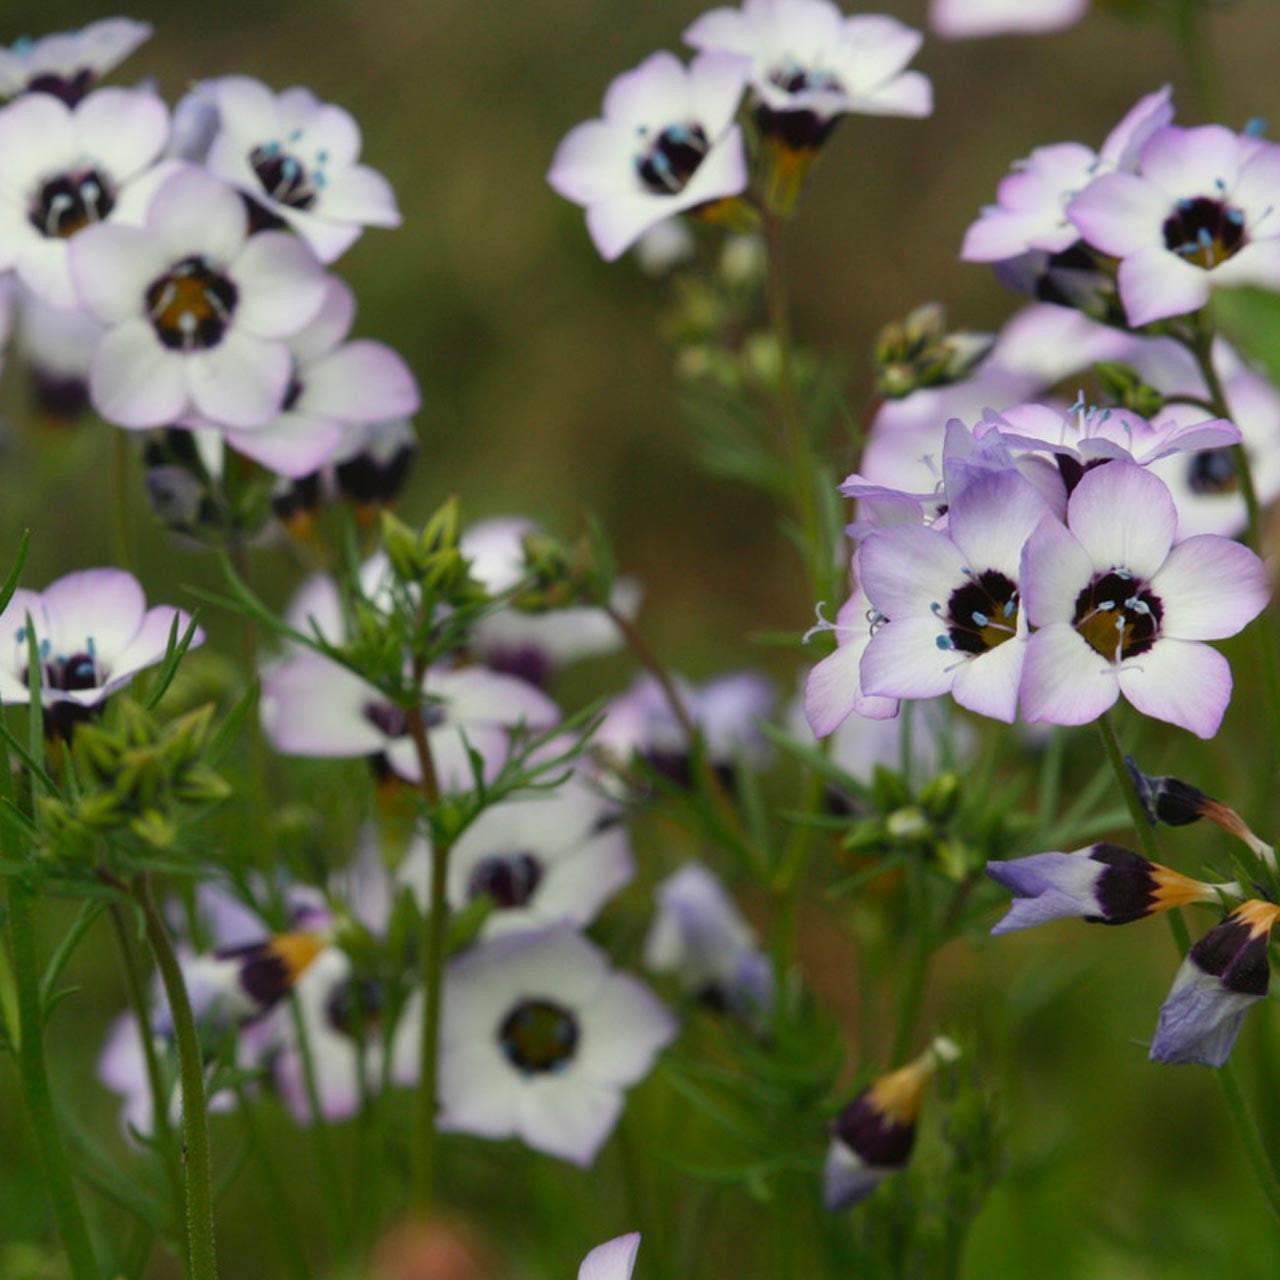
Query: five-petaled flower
x,y
667,143
67,64
1119,606
197,311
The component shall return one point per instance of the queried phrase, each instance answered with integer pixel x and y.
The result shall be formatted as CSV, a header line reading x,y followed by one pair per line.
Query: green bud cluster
x,y
134,775
1124,386
918,352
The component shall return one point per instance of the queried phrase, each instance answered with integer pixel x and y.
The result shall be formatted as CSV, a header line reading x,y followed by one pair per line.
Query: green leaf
x,y
1250,318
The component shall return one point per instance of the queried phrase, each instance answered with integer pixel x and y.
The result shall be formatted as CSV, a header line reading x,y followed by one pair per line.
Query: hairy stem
x,y
434,948
201,1255
33,1069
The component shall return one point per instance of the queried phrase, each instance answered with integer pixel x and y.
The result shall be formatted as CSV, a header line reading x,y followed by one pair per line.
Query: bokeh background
x,y
548,391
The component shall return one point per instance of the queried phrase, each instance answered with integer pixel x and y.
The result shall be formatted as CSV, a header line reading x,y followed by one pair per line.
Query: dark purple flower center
x,y
1236,950
796,79
284,178
1212,471
375,476
354,1007
70,202
69,88
191,305
539,1037
1205,232
981,614
1118,615
393,721
672,158
510,879
65,672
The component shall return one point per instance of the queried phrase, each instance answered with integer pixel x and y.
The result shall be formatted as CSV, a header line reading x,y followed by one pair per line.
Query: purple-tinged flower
x,y
811,65
833,691
699,935
528,644
873,1136
540,859
614,1260
667,143
1121,607
196,311
336,390
93,632
66,169
56,346
296,159
68,64
539,1040
726,710
951,600
1103,884
1199,213
312,706
1223,975
1030,213
966,19
1086,436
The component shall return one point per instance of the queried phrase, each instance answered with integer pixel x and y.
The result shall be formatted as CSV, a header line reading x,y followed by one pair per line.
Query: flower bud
x,y
1125,386
918,352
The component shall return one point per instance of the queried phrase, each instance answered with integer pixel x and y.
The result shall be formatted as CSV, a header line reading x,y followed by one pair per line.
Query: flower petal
x,y
136,382
903,660
1181,681
1064,681
1210,588
1124,518
241,382
281,285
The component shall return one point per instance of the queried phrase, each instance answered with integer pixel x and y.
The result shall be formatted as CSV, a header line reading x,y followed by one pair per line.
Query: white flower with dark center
x,y
336,389
549,857
296,159
811,65
93,633
197,311
535,645
66,169
666,145
312,706
539,1041
68,64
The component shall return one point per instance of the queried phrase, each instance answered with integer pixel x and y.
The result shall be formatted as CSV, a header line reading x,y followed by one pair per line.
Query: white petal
x,y
281,285
1064,680
1181,681
241,381
135,381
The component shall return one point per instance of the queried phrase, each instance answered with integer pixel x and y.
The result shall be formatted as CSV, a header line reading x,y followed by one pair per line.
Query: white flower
x,y
549,857
67,64
296,158
197,312
666,144
66,169
962,19
539,1040
56,345
810,64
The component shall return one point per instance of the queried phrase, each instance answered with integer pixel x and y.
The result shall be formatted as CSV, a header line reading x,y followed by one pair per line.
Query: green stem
x,y
434,946
798,444
124,551
34,1072
327,1167
139,1002
277,1207
1264,1171
201,1255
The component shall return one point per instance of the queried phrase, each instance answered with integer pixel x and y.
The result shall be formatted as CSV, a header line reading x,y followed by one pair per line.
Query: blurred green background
x,y
547,391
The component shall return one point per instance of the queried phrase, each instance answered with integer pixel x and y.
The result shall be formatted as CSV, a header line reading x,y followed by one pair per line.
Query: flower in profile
x,y
873,1136
539,1040
56,346
725,710
336,390
952,600
296,160
1224,974
699,935
535,645
614,1260
312,706
667,144
1120,607
811,65
64,170
833,690
551,856
196,310
965,19
93,632
1198,213
68,64
1102,884
1030,213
